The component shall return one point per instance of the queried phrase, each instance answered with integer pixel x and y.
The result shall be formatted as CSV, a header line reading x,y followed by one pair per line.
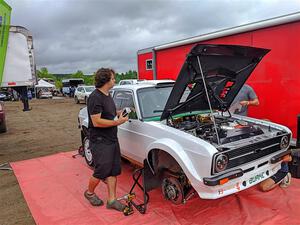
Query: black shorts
x,y
277,177
106,157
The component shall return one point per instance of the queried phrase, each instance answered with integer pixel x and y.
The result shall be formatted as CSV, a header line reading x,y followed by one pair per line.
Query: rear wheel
x,y
87,152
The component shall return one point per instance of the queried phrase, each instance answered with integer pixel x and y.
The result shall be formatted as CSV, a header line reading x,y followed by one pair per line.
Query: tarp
x,y
53,188
42,83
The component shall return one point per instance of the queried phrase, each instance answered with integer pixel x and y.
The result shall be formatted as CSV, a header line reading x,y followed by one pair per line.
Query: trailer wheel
x,y
87,152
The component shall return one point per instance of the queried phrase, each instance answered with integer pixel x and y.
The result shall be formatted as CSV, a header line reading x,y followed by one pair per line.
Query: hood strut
x,y
208,100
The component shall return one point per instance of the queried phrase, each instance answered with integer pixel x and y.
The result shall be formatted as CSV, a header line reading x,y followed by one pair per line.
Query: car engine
x,y
229,129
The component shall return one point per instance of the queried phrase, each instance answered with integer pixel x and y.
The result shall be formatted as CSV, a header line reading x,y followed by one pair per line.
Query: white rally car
x,y
185,133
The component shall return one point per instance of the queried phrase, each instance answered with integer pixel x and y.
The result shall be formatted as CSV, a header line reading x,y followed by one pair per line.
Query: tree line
x,y
88,79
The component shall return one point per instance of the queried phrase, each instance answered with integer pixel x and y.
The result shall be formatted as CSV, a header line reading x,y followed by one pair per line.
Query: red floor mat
x,y
53,187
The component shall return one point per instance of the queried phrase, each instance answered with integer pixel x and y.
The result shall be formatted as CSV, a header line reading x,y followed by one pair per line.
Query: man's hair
x,y
102,76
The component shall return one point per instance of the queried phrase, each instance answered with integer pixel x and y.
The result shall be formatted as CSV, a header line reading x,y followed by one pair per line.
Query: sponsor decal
x,y
237,186
256,178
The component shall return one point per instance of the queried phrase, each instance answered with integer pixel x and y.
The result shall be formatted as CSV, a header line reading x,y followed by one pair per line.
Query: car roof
x,y
143,84
85,86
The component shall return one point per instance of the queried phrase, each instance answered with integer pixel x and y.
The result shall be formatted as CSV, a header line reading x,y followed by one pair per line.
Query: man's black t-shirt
x,y
101,103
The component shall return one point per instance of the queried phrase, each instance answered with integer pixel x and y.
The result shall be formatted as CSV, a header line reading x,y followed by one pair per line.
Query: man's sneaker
x,y
93,199
115,204
286,181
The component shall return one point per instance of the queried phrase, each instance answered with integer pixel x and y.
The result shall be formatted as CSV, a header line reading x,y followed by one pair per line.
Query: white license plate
x,y
257,178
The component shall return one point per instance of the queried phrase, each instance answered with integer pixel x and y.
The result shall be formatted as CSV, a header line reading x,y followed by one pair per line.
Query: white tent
x,y
42,84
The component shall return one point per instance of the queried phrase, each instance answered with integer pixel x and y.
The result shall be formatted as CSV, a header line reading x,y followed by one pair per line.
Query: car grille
x,y
252,152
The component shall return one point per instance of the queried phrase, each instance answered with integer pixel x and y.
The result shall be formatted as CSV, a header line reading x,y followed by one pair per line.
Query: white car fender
x,y
175,150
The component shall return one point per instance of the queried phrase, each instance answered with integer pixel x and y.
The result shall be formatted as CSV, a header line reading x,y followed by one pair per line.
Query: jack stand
x,y
5,166
131,195
80,152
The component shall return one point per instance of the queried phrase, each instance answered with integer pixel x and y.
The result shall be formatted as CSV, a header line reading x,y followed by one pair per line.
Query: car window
x,y
124,82
89,89
79,89
152,100
124,99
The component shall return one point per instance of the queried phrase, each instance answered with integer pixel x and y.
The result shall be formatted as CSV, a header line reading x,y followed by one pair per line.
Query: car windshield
x,y
152,100
89,89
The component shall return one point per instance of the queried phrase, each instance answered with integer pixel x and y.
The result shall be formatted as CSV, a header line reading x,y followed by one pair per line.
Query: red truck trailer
x,y
275,80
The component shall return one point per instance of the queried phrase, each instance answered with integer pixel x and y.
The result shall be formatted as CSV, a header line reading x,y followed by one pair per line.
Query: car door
x,y
78,93
83,94
132,140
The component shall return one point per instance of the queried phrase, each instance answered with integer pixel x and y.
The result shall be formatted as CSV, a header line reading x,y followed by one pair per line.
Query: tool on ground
x,y
128,198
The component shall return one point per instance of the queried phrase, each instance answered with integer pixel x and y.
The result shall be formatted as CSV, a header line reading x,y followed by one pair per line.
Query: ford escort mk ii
x,y
184,130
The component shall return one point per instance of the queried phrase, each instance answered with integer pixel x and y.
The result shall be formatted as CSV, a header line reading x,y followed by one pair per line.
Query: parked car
x,y
82,93
6,96
185,133
128,81
44,93
2,118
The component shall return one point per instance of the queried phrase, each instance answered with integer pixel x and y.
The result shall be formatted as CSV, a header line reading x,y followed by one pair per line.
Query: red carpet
x,y
53,187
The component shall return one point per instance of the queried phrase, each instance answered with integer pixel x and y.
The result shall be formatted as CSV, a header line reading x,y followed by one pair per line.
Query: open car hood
x,y
225,69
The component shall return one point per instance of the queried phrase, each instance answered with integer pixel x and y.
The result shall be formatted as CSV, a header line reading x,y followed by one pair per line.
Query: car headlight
x,y
221,162
284,143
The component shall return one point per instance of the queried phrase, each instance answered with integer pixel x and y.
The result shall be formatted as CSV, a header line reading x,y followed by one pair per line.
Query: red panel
x,y
143,73
276,78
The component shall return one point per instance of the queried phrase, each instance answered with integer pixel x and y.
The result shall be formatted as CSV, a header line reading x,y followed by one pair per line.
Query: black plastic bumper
x,y
279,157
214,181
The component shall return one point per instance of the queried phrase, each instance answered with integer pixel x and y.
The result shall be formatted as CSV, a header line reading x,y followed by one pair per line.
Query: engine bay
x,y
229,129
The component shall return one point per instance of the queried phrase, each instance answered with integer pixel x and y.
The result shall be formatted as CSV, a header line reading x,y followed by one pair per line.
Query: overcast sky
x,y
71,35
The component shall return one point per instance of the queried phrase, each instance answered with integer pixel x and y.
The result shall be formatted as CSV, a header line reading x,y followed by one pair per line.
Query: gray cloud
x,y
72,35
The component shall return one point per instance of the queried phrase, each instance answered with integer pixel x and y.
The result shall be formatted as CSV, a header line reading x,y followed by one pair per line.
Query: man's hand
x,y
244,103
254,102
122,119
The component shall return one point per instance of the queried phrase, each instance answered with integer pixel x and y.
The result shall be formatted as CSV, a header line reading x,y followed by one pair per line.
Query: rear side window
x,y
123,99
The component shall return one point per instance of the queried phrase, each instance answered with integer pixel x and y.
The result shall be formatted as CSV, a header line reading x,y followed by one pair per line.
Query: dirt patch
x,y
50,127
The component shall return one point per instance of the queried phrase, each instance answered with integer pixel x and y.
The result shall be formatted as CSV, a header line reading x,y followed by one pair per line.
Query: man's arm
x,y
100,122
254,102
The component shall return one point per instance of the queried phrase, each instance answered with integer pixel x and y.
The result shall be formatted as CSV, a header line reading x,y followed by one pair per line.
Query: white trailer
x,y
19,67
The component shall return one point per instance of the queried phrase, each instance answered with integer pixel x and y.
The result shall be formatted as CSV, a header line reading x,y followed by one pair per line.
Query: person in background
x,y
245,98
22,90
281,178
104,143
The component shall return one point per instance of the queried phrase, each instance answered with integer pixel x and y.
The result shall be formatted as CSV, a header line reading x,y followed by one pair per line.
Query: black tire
x,y
3,128
87,152
76,100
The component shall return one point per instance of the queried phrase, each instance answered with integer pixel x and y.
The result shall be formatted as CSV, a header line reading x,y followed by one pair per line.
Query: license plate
x,y
257,177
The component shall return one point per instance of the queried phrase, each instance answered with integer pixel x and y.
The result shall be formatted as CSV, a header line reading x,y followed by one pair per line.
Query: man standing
x,y
245,98
104,143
